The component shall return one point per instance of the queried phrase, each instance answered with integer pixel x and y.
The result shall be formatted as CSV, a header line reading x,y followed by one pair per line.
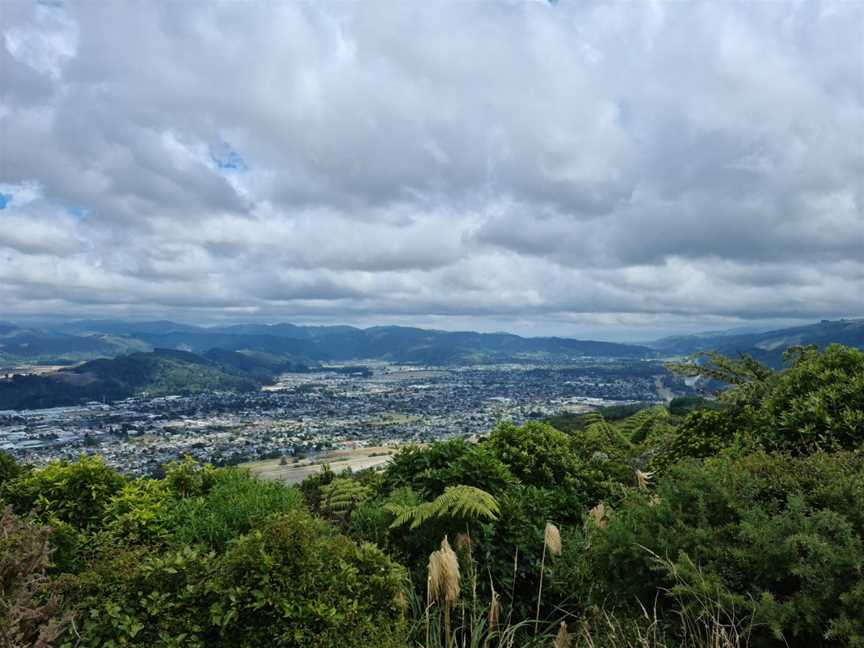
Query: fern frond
x,y
341,495
460,501
637,427
592,418
607,433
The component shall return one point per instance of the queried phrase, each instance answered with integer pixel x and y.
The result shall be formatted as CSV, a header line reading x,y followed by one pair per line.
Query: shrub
x,y
140,513
818,402
815,403
9,468
428,471
297,583
30,613
702,433
293,582
188,478
73,493
312,485
235,503
781,538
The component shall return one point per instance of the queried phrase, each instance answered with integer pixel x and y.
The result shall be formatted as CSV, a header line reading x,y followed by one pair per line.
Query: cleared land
x,y
339,460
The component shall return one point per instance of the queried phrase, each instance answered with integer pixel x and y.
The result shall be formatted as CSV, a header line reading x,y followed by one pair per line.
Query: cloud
x,y
567,167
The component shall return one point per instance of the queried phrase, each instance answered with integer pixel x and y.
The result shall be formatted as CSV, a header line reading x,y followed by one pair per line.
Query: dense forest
x,y
730,522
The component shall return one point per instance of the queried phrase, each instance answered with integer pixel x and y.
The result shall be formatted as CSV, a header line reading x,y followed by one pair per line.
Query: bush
x,y
9,468
292,582
142,512
428,471
30,613
782,538
235,503
815,403
298,583
818,402
188,478
72,493
702,434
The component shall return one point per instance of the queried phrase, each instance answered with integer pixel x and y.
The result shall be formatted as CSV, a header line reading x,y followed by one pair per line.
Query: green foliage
x,y
537,455
72,493
292,582
233,505
818,402
312,587
683,405
430,470
312,485
340,497
571,423
601,436
140,513
9,468
781,538
640,426
187,477
459,502
703,433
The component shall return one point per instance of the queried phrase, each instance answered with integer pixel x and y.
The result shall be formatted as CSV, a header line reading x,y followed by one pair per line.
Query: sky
x,y
615,170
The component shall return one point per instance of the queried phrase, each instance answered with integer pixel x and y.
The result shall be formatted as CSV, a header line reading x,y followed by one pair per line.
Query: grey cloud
x,y
577,163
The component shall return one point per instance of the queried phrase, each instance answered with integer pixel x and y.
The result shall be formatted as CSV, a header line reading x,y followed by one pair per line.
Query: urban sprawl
x,y
306,414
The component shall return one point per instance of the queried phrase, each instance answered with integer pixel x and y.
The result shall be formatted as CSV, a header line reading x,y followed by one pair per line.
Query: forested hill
x,y
156,373
90,339
768,347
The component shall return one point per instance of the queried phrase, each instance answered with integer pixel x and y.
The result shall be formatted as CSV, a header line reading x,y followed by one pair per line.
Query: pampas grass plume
x,y
449,566
643,479
597,516
552,539
562,639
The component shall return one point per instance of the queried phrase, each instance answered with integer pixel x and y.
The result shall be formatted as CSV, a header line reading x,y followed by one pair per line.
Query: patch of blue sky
x,y
5,199
78,213
226,158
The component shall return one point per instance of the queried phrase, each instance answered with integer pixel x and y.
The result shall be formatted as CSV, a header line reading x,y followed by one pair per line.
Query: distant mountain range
x,y
77,341
122,359
84,340
767,347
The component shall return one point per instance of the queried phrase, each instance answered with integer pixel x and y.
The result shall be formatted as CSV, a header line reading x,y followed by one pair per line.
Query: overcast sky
x,y
610,170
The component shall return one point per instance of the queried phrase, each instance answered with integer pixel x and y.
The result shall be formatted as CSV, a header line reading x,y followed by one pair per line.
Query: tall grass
x,y
700,618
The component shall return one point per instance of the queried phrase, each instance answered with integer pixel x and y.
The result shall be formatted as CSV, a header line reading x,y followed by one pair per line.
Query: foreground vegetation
x,y
736,522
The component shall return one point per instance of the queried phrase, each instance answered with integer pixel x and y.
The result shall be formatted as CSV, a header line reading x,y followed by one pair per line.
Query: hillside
x,y
305,344
26,344
70,342
768,347
155,373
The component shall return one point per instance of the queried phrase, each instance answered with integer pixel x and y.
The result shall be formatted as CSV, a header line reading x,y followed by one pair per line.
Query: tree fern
x,y
639,426
606,434
341,496
466,502
590,418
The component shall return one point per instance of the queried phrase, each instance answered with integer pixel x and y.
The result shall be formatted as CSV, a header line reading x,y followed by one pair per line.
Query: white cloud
x,y
562,168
